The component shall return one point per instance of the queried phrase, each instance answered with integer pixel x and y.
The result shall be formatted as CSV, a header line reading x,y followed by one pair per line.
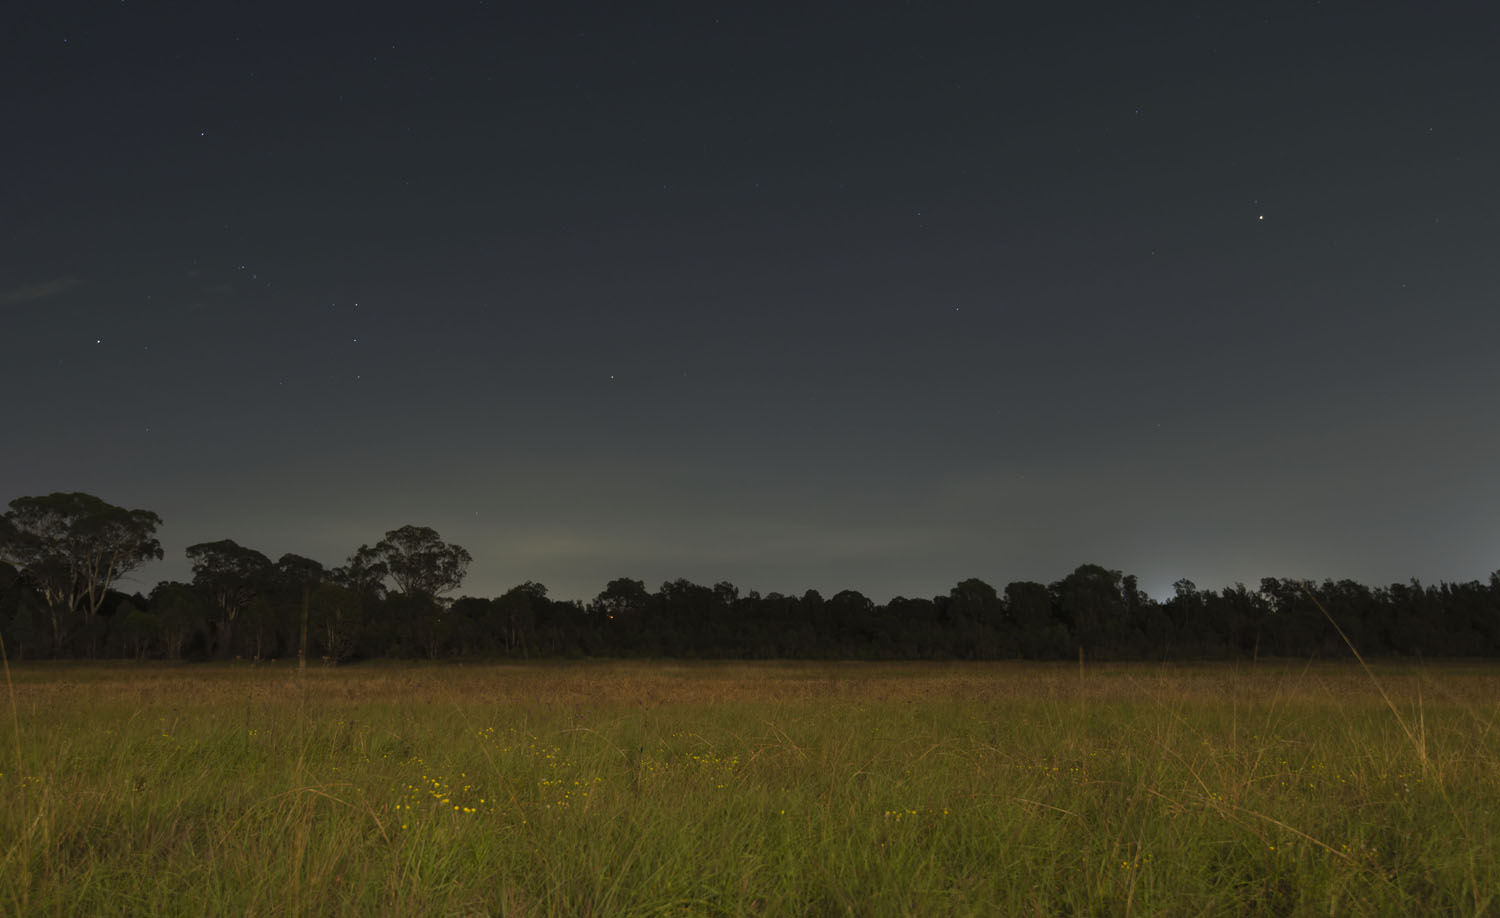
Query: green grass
x,y
769,789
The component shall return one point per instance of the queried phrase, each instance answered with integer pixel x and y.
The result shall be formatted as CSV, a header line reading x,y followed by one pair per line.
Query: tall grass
x,y
768,789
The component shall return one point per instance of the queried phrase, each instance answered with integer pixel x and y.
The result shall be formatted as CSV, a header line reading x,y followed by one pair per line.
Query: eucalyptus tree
x,y
514,615
73,547
295,577
337,618
364,573
624,599
183,611
231,576
419,562
423,567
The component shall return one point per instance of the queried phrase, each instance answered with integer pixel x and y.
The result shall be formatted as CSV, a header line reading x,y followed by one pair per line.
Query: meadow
x,y
638,788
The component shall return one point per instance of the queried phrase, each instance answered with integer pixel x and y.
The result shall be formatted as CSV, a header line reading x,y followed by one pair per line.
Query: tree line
x,y
63,556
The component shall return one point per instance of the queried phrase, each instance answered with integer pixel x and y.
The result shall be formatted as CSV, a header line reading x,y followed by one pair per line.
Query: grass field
x,y
604,788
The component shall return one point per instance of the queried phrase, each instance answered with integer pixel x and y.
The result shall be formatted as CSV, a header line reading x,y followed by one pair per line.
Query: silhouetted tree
x,y
419,562
914,630
183,612
230,576
1187,615
336,618
975,616
1040,635
513,616
1091,602
292,581
364,573
1292,624
137,631
73,547
622,599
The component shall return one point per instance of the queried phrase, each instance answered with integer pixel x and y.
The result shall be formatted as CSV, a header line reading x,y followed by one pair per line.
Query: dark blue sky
x,y
877,297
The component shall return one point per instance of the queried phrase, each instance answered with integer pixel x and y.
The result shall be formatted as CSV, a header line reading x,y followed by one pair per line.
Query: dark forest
x,y
62,557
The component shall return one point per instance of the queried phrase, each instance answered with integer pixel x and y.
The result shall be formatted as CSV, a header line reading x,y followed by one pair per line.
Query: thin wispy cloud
x,y
27,293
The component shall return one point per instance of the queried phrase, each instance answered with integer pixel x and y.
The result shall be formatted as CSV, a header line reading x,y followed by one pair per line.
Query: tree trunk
x,y
59,631
302,643
223,631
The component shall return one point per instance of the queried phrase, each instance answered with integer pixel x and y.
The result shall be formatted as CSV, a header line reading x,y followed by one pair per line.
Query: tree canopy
x,y
420,563
74,547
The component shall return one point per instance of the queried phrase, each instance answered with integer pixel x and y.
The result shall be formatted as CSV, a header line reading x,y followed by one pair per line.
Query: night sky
x,y
870,297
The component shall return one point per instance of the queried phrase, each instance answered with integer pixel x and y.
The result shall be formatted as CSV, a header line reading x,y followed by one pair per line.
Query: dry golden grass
x,y
751,788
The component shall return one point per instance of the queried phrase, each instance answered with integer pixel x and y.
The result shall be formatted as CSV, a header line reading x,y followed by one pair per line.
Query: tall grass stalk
x,y
1418,737
15,717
